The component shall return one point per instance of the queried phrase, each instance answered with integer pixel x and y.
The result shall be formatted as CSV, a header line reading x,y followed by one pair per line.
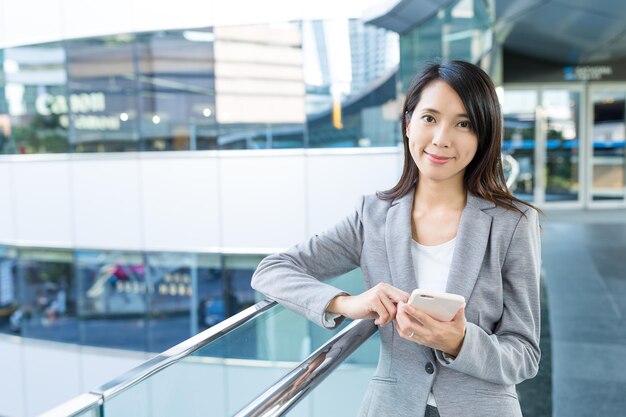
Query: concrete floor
x,y
584,262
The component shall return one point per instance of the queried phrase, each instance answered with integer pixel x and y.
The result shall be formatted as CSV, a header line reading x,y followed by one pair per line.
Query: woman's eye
x,y
428,118
464,124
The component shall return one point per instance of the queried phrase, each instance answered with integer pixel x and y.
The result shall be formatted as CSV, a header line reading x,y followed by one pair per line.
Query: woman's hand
x,y
415,325
377,303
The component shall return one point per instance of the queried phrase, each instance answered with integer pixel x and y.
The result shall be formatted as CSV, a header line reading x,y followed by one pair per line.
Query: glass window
x,y
48,295
210,292
171,278
9,303
33,110
113,299
350,72
561,109
259,85
459,31
103,94
176,75
519,108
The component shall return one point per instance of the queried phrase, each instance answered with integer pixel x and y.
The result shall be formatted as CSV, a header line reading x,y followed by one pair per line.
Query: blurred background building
x,y
154,153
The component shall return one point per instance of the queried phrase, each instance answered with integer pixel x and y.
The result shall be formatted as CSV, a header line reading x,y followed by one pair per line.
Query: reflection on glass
x,y
34,106
210,300
266,86
562,141
113,300
259,86
171,277
461,30
519,108
177,89
48,294
102,83
350,71
608,162
238,272
9,302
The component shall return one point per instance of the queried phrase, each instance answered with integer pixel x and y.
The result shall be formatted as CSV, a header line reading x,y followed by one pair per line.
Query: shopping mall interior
x,y
252,117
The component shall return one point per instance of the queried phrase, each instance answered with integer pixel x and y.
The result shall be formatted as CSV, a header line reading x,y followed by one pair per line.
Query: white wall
x,y
38,375
24,22
227,201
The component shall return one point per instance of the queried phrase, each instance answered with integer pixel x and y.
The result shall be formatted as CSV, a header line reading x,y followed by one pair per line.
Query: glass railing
x,y
221,370
293,388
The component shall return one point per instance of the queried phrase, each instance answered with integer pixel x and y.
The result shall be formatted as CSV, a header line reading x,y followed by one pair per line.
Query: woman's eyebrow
x,y
438,112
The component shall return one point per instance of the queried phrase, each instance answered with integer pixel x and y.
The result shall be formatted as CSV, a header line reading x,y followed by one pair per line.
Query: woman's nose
x,y
440,138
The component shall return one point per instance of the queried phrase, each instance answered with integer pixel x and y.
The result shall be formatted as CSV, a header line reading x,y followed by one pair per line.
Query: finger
x,y
420,316
390,307
379,309
460,314
396,294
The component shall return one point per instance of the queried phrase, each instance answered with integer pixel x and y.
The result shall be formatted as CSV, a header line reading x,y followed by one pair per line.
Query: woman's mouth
x,y
437,159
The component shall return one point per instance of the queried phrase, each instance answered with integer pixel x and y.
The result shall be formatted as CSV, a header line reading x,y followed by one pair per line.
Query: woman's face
x,y
441,140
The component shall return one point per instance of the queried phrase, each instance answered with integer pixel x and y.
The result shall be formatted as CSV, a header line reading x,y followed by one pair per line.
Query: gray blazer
x,y
495,266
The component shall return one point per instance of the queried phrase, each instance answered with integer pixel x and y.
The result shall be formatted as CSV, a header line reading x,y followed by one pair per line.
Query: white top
x,y
432,266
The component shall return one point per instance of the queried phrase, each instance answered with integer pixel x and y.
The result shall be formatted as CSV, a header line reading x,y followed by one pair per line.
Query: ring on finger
x,y
411,335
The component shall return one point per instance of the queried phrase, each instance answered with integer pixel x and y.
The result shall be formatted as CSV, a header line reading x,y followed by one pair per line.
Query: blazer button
x,y
429,368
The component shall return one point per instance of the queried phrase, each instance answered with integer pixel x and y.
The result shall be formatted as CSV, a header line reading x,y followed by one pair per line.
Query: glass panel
x,y
608,162
171,279
34,101
10,315
519,108
177,90
561,108
351,379
48,295
113,299
103,85
238,270
350,103
259,86
224,376
210,292
461,30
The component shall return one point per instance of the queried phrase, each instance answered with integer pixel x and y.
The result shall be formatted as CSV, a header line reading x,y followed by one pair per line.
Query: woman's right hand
x,y
377,303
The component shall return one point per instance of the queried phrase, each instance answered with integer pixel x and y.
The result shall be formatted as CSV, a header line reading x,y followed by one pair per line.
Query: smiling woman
x,y
449,224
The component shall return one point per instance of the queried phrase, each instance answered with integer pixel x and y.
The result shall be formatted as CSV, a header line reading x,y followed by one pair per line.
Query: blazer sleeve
x,y
511,354
294,278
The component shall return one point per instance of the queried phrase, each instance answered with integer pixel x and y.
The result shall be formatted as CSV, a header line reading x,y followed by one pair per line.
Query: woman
x,y
451,225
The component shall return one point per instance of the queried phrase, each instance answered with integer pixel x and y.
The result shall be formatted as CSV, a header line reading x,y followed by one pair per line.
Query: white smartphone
x,y
439,305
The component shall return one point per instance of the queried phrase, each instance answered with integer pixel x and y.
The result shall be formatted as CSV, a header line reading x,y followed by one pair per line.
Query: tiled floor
x,y
584,261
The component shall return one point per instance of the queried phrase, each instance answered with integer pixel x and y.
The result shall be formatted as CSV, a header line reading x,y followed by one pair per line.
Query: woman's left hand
x,y
416,326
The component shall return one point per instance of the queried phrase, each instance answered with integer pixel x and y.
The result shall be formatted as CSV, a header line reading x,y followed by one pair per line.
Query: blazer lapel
x,y
471,244
398,242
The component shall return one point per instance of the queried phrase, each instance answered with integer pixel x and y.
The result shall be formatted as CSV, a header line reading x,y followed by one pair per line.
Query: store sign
x,y
174,285
48,104
587,72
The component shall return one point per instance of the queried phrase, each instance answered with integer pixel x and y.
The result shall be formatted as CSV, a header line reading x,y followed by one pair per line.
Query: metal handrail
x,y
140,373
181,350
298,383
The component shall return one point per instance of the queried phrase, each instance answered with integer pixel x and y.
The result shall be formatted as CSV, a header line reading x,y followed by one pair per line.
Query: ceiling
x,y
561,31
565,31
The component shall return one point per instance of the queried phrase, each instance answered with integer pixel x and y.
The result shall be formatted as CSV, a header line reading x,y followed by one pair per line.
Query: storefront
x,y
565,126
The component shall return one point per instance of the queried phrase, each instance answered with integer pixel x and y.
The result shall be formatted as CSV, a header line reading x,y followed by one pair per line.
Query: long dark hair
x,y
484,176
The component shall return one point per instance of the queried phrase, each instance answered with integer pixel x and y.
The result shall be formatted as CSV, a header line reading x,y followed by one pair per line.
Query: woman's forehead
x,y
439,96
